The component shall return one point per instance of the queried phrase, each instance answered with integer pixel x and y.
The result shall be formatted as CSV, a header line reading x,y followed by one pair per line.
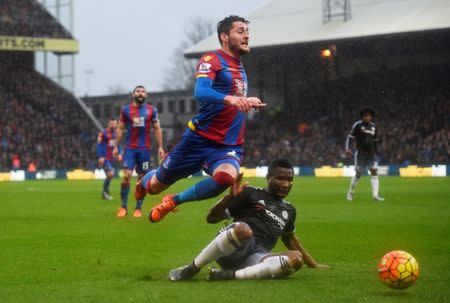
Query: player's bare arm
x,y
159,139
119,135
292,242
217,212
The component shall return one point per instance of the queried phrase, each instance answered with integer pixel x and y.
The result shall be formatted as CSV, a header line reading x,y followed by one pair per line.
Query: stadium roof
x,y
284,22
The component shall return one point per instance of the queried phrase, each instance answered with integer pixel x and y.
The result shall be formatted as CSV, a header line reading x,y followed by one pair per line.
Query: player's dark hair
x,y
225,25
280,162
366,110
138,86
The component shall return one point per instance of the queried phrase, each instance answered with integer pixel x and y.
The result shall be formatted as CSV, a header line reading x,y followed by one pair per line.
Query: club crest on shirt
x,y
284,214
204,68
138,122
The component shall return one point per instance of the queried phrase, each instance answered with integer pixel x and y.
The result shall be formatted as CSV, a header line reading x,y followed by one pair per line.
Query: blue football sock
x,y
202,190
106,185
139,204
147,177
124,190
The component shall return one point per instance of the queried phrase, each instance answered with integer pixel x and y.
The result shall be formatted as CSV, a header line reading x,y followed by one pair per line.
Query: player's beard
x,y
139,100
237,49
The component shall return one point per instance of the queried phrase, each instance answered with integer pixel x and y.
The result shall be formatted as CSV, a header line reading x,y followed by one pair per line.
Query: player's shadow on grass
x,y
392,293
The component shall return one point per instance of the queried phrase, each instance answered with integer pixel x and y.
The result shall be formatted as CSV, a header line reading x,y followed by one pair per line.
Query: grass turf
x,y
60,243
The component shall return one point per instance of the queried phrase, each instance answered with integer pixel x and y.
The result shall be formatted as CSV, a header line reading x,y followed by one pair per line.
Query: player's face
x,y
140,95
238,38
280,182
112,124
367,117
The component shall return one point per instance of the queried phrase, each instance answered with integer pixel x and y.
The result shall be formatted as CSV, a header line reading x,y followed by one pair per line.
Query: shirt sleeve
x,y
238,203
155,118
208,66
122,117
101,145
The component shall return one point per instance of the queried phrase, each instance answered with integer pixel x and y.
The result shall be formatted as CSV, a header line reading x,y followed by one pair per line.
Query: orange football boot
x,y
122,212
137,213
139,191
158,212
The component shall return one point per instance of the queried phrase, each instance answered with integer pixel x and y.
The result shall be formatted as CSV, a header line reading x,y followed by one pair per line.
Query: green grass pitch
x,y
60,243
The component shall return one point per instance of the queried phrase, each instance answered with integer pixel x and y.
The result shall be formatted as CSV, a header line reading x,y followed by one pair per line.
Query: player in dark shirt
x,y
365,135
261,216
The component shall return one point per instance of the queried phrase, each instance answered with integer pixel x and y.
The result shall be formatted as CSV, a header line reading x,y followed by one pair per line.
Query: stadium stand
x,y
29,18
42,124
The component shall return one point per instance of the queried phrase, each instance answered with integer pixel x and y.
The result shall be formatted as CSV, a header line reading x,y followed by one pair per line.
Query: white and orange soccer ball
x,y
398,269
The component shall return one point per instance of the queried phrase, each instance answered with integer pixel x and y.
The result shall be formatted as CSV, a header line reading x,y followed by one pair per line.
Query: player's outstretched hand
x,y
256,103
244,104
161,153
101,161
237,187
348,152
320,266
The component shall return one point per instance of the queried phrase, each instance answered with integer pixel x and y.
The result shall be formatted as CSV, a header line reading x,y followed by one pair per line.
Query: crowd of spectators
x,y
412,130
42,126
28,18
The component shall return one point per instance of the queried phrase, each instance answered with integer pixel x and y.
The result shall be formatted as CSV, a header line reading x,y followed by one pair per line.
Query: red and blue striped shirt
x,y
217,121
138,120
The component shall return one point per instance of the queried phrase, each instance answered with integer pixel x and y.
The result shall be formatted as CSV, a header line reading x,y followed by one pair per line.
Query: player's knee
x,y
295,259
373,172
243,231
358,173
154,187
224,178
110,174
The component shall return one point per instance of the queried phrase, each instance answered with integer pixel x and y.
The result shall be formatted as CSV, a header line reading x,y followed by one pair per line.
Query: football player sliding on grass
x,y
261,216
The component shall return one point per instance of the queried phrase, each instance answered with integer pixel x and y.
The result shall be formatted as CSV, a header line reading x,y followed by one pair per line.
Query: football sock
x,y
353,183
106,185
202,190
139,204
271,267
124,190
222,245
375,185
146,179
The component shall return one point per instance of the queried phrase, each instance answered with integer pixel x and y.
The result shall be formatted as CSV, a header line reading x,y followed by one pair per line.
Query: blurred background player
x,y
214,137
136,118
261,217
365,134
105,146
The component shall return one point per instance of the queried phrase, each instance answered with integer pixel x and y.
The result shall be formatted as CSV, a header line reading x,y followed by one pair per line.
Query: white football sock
x,y
353,183
272,267
222,245
375,186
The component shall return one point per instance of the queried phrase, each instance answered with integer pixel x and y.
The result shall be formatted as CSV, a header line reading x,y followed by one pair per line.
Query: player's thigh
x,y
108,167
129,159
143,161
225,158
181,162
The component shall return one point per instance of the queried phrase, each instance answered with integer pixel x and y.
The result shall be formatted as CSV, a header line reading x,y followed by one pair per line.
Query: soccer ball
x,y
398,269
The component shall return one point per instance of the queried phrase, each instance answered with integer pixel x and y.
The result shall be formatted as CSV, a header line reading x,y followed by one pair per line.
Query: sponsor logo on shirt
x,y
370,131
240,87
281,223
138,121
